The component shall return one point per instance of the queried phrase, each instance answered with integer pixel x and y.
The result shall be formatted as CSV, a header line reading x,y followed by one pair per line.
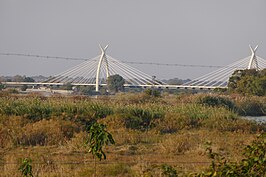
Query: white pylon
x,y
253,62
103,56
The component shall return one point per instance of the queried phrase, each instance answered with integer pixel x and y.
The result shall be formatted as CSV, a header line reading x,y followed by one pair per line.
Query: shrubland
x,y
163,135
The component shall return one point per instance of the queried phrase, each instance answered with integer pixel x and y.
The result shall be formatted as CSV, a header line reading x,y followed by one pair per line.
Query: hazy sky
x,y
205,32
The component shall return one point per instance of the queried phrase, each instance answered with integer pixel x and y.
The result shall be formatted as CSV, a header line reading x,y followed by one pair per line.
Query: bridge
x,y
94,72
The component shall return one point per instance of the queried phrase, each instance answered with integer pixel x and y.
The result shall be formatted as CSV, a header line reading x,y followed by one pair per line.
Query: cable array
x,y
220,77
85,73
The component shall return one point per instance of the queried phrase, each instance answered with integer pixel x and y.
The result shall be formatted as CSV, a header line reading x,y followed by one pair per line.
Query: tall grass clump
x,y
47,132
37,108
216,101
251,106
140,117
190,116
10,130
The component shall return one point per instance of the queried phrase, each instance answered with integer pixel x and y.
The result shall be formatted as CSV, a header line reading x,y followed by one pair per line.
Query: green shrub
x,y
141,118
216,101
251,107
152,92
254,163
26,167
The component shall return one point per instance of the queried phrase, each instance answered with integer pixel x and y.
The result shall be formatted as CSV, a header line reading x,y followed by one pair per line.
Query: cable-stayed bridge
x,y
94,72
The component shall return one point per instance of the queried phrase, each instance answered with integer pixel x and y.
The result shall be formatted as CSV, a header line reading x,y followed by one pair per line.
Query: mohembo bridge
x,y
94,72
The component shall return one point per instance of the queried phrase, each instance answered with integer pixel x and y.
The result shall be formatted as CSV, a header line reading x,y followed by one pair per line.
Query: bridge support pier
x,y
103,57
253,63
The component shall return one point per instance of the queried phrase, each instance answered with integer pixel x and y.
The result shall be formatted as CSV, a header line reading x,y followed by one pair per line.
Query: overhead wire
x,y
128,62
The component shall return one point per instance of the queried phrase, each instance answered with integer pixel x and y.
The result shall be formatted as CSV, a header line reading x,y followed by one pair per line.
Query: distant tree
x,y
248,82
2,86
152,92
67,86
18,78
86,90
28,79
174,81
115,83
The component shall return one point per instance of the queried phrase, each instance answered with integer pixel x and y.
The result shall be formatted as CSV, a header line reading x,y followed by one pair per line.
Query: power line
x,y
129,62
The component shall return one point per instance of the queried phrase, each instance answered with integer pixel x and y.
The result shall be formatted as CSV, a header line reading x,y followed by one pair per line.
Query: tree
x,y
175,81
248,82
18,78
115,83
98,137
67,86
86,90
28,79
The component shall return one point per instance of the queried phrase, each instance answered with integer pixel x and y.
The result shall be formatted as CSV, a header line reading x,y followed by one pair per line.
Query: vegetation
x,y
248,82
152,92
216,101
115,83
153,136
1,86
98,138
254,163
85,90
26,168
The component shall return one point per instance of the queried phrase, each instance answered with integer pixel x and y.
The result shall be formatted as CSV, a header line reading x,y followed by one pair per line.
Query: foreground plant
x,y
26,168
97,139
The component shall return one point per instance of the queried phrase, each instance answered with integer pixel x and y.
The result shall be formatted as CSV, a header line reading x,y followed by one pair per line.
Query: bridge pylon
x,y
253,62
103,57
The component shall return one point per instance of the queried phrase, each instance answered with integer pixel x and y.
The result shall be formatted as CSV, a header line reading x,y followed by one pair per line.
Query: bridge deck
x,y
126,85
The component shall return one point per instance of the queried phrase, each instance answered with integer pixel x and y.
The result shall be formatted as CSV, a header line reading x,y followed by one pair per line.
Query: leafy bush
x,y
26,167
254,163
251,107
216,101
152,92
140,118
